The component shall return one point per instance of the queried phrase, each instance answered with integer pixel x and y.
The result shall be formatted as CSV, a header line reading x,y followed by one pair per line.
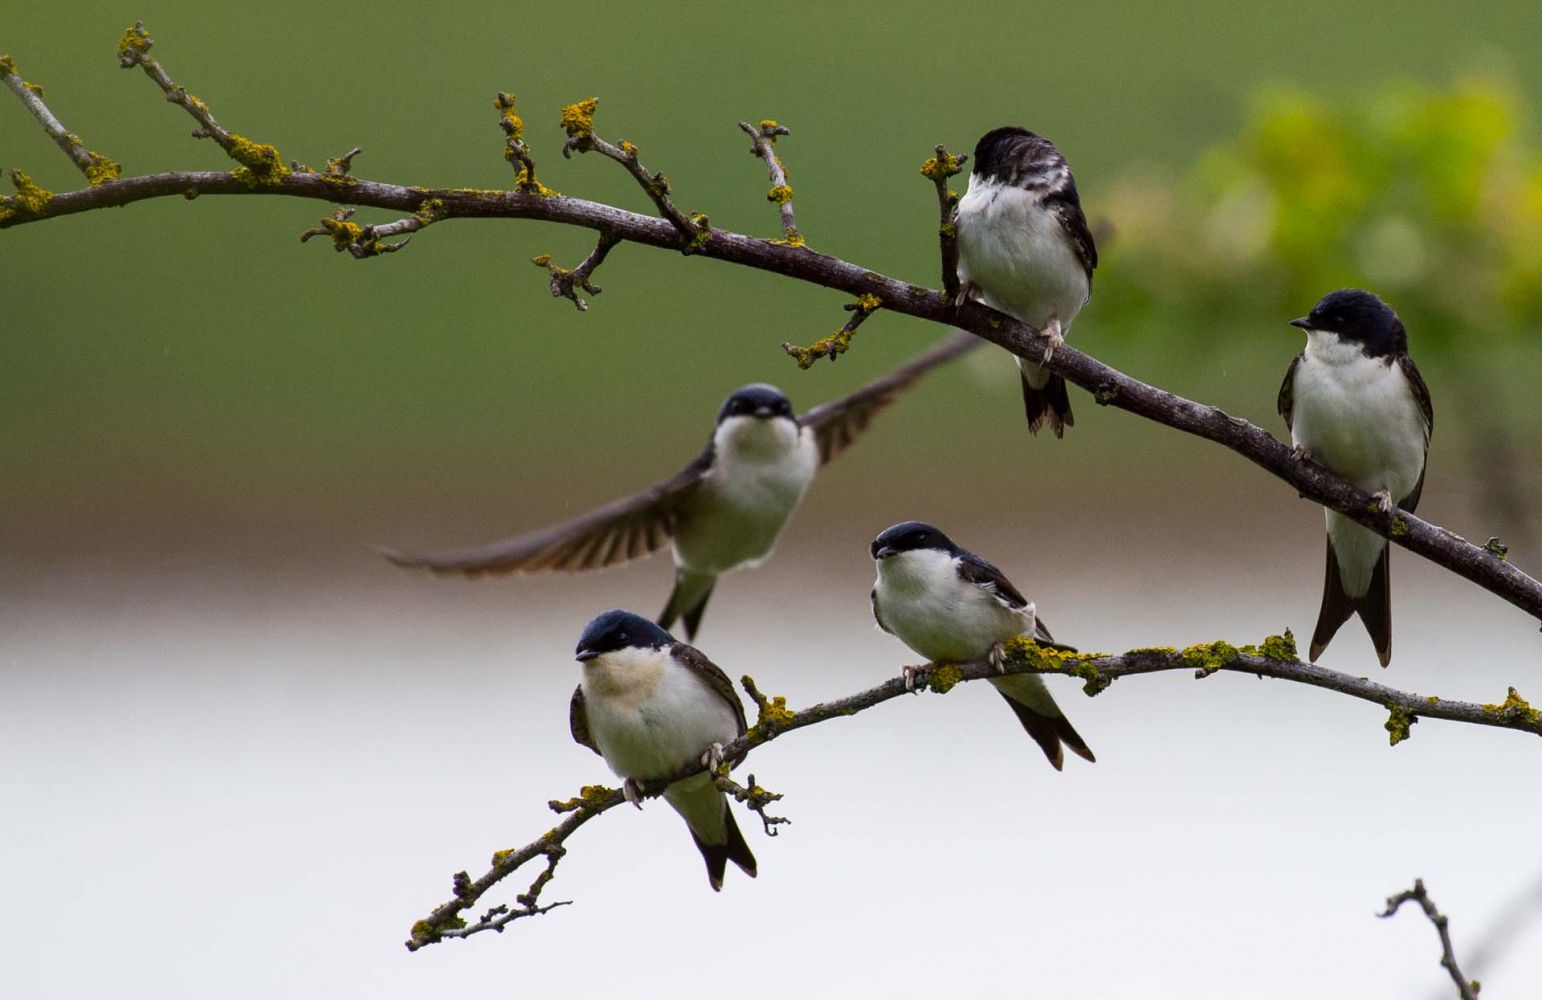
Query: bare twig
x,y
754,797
97,168
1275,657
938,169
763,140
838,342
578,123
261,164
1466,989
564,280
367,241
514,148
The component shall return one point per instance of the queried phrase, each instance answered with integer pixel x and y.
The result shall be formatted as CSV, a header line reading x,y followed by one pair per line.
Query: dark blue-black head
x,y
1014,155
617,629
756,400
909,536
1359,317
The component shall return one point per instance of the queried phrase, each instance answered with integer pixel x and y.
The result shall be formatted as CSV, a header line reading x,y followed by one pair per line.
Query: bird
x,y
1024,249
651,706
723,511
950,605
1355,404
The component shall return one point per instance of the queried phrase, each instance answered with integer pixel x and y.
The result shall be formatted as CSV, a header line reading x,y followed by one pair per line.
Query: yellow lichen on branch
x,y
577,119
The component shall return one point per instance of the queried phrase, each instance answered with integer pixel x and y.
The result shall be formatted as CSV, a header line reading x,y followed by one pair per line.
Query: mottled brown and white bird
x,y
1024,249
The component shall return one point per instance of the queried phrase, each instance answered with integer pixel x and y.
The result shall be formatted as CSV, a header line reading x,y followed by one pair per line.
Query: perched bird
x,y
1355,404
949,605
724,511
651,706
1024,249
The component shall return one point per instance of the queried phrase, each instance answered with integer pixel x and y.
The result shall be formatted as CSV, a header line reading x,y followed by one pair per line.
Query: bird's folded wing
x,y
618,532
838,423
696,661
1285,404
973,569
1422,397
578,721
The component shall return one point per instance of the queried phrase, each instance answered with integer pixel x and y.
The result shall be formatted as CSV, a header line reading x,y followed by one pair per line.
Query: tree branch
x,y
97,168
1109,386
763,145
1275,657
1467,989
565,280
941,166
838,342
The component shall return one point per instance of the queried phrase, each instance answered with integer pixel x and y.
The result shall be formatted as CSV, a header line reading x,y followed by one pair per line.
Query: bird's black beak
x,y
1303,323
584,655
882,551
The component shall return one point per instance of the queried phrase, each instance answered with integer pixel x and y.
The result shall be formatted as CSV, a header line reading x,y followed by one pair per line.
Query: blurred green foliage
x,y
1430,196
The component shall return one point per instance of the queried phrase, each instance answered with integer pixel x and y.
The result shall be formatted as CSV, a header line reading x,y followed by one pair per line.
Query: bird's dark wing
x,y
578,721
873,599
837,424
1422,396
973,569
697,663
1067,209
1286,403
616,533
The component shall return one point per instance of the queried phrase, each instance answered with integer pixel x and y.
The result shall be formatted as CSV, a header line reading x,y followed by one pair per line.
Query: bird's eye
x,y
623,638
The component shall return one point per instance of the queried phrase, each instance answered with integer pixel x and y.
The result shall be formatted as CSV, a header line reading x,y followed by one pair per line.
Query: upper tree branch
x,y
1111,387
95,166
1466,988
1275,657
941,166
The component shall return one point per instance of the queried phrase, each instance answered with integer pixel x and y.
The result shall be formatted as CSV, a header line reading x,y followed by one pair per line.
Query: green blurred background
x,y
187,377
203,422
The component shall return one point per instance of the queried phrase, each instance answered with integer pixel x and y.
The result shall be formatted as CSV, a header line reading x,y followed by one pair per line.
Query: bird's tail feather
x,y
732,849
1049,403
1374,607
688,601
1050,732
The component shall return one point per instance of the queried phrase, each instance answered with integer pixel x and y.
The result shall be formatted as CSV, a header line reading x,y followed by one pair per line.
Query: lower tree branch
x,y
1467,989
1275,657
838,342
564,280
1109,386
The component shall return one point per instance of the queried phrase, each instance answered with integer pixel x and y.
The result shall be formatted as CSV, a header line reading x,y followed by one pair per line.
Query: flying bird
x,y
949,605
1355,404
651,706
723,511
1024,249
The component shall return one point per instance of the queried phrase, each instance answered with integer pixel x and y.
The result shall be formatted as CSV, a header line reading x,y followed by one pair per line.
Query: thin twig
x,y
578,122
261,164
97,168
838,342
763,139
1275,657
1466,988
515,149
565,281
941,166
368,241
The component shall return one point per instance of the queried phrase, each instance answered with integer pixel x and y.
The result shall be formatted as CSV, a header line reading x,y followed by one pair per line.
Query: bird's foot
x,y
631,792
965,292
712,757
1383,500
911,676
997,656
1301,453
1053,338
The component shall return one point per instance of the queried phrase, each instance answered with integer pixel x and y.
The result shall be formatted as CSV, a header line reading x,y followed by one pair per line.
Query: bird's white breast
x,y
760,471
1014,251
922,600
649,715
